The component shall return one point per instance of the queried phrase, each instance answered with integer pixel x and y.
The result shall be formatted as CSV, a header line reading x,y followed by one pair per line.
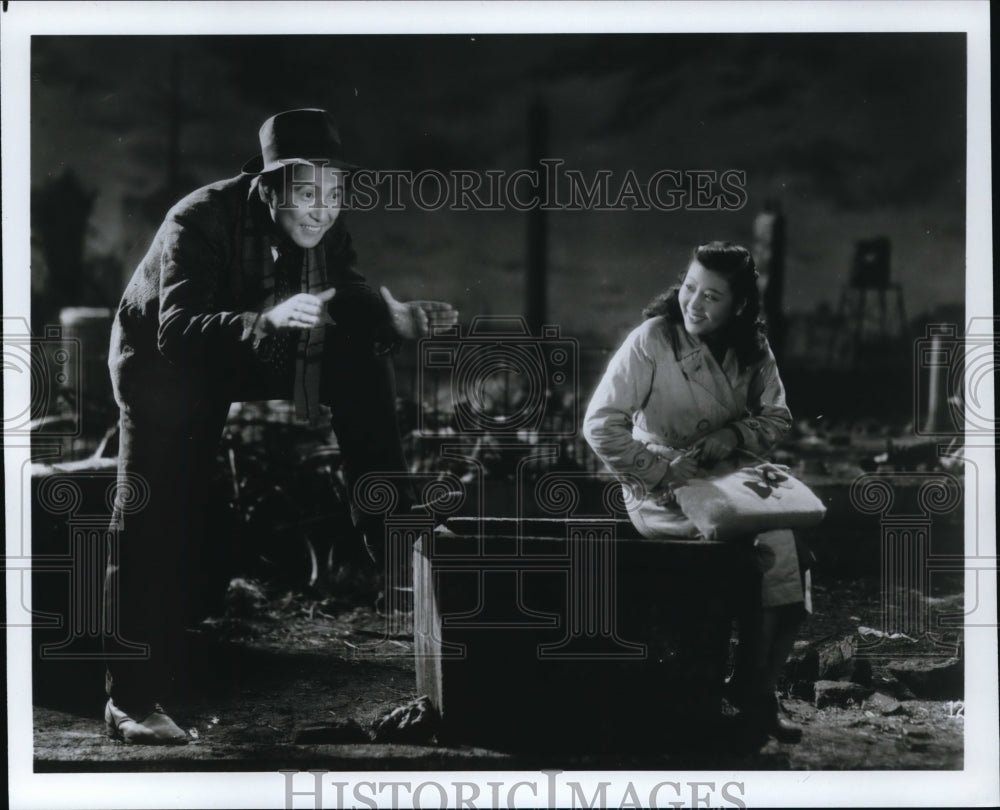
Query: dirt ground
x,y
292,663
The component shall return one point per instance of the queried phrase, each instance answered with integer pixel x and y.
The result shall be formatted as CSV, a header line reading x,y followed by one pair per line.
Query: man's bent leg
x,y
361,393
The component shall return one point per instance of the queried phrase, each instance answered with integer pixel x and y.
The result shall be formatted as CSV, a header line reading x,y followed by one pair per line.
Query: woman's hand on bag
x,y
716,446
681,469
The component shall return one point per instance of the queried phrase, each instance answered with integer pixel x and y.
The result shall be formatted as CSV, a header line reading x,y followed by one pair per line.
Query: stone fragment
x,y
336,732
414,722
798,710
825,661
839,693
887,683
884,705
244,598
835,658
931,678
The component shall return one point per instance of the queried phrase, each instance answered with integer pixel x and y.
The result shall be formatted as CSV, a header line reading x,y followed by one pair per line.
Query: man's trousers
x,y
163,561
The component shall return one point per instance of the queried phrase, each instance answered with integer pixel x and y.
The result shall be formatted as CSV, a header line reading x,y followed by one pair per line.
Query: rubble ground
x,y
300,682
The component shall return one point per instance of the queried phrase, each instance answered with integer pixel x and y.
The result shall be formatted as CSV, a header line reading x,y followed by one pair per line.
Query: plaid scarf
x,y
296,270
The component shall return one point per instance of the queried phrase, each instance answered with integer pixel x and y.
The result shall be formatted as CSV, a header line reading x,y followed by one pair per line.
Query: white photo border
x,y
975,785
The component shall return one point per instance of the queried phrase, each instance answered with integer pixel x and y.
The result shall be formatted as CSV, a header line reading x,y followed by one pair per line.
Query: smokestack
x,y
937,409
769,254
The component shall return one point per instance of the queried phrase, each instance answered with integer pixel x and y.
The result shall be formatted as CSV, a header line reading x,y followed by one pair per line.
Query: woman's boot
x,y
764,714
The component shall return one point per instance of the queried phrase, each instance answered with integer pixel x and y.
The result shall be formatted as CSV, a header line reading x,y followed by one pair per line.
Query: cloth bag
x,y
748,500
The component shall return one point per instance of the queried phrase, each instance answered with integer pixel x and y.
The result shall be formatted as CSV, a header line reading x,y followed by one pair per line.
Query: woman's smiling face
x,y
706,300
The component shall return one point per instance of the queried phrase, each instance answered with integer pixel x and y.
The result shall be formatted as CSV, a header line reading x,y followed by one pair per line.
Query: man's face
x,y
309,204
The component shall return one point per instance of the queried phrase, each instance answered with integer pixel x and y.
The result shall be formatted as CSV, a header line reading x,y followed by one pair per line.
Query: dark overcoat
x,y
183,338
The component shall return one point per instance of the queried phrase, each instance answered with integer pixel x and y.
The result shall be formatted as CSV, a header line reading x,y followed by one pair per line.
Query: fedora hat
x,y
298,136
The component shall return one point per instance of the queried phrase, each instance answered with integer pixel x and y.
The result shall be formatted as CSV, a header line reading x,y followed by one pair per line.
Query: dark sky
x,y
856,135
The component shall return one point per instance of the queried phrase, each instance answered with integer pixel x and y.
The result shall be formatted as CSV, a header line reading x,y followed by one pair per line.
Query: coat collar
x,y
702,369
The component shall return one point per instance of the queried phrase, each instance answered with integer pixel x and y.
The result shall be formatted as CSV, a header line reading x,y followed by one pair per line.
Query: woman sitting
x,y
697,383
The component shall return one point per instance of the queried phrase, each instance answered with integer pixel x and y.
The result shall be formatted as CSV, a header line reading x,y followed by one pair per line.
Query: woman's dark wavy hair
x,y
746,332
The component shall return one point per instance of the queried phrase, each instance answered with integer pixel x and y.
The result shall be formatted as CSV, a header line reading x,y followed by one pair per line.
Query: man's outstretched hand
x,y
415,319
301,311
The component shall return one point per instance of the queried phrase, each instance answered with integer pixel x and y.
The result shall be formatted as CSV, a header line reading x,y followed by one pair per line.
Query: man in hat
x,y
249,291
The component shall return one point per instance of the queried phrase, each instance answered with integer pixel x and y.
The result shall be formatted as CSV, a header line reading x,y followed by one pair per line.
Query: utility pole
x,y
536,281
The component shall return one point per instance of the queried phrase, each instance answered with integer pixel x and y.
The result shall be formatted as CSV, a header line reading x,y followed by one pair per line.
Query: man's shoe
x,y
156,728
